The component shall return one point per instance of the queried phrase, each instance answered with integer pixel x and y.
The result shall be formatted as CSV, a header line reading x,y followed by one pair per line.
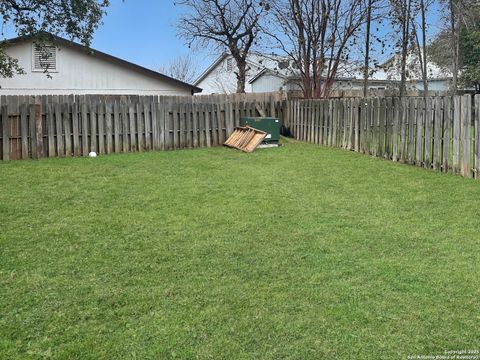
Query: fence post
x,y
24,130
108,126
447,125
311,137
466,140
382,128
321,122
403,121
272,105
411,130
419,144
67,125
477,137
396,122
437,133
356,114
59,131
162,118
38,127
428,133
388,128
285,119
5,133
456,134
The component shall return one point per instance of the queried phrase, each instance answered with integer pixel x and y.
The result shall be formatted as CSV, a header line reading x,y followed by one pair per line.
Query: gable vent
x,y
44,58
229,65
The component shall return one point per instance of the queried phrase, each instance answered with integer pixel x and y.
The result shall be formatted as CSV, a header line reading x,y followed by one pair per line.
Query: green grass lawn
x,y
301,252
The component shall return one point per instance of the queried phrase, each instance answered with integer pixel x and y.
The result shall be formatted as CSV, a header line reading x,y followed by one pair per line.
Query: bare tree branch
x,y
225,25
315,34
182,68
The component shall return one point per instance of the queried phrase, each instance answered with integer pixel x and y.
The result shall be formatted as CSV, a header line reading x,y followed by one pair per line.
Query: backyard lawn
x,y
301,252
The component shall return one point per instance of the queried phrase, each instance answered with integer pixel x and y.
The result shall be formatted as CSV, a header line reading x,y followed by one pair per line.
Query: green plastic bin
x,y
268,124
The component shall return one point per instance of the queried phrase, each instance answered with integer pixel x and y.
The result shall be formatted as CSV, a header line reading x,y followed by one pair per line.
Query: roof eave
x,y
210,68
106,56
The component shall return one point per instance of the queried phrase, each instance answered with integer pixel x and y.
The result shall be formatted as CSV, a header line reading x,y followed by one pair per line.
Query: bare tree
x,y
418,24
183,68
421,6
231,25
315,34
367,48
375,15
454,15
401,18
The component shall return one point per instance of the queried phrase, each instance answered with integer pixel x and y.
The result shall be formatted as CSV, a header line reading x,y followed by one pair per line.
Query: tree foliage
x,y
470,58
77,19
439,50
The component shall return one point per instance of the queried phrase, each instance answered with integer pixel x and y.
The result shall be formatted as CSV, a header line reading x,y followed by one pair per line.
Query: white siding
x,y
80,73
222,81
269,83
435,85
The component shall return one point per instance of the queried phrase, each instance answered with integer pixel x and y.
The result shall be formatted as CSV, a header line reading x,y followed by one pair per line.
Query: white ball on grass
x,y
92,154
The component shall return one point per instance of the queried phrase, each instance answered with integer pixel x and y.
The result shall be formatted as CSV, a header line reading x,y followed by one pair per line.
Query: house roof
x,y
390,69
210,68
296,77
99,54
346,71
254,59
266,71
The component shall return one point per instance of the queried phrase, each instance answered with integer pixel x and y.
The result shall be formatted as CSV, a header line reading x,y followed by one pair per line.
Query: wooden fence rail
x,y
442,133
59,126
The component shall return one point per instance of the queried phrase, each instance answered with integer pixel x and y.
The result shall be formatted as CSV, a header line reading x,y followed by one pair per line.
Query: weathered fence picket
x,y
440,133
58,126
476,140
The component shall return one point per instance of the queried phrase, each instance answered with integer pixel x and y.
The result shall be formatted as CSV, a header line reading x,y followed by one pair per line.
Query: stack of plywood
x,y
245,138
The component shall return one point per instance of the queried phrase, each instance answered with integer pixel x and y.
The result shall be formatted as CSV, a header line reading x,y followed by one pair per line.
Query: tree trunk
x,y
367,50
424,48
454,41
241,75
405,37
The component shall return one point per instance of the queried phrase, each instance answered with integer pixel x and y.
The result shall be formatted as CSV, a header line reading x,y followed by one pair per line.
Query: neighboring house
x,y
220,78
439,79
268,80
271,73
66,67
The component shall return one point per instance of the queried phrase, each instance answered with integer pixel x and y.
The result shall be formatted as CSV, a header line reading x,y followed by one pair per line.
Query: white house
x,y
348,78
439,79
220,78
75,69
271,73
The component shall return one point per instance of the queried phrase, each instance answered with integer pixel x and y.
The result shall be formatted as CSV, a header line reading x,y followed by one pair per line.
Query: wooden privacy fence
x,y
442,133
57,126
